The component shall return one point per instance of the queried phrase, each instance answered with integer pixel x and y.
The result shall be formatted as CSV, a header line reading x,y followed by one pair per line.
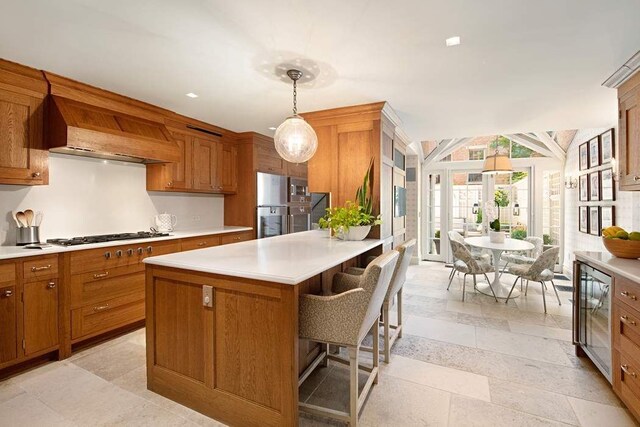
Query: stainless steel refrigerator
x,y
272,205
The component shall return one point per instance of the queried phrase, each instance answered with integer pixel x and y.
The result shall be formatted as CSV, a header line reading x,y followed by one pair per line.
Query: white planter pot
x,y
355,233
496,236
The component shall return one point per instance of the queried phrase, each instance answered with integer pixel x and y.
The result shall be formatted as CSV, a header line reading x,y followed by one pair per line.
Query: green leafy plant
x,y
339,219
501,197
546,239
495,224
519,234
363,193
479,216
436,235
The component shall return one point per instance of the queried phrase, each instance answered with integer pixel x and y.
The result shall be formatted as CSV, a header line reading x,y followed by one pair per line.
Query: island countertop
x,y
288,259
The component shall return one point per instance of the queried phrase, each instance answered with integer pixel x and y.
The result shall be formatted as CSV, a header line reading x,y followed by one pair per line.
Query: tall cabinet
x,y
348,138
629,133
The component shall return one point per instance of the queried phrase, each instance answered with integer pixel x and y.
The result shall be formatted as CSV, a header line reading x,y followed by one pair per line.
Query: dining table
x,y
501,290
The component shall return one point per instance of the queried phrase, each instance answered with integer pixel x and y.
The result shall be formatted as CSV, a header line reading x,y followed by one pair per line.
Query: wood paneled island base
x,y
238,359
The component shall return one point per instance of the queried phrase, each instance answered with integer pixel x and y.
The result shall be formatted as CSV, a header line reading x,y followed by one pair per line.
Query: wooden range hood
x,y
83,129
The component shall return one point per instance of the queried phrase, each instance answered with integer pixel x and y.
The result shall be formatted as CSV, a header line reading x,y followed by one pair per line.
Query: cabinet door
x,y
8,323
181,176
298,170
630,141
22,157
204,164
40,316
227,168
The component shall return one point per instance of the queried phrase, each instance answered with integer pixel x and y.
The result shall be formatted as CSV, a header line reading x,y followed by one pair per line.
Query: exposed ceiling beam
x,y
439,149
551,144
416,147
530,143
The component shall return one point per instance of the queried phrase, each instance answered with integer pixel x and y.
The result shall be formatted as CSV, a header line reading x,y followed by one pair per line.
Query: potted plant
x,y
436,241
354,220
494,223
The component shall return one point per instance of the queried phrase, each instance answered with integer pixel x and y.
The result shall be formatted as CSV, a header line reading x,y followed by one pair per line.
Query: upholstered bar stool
x,y
344,319
393,332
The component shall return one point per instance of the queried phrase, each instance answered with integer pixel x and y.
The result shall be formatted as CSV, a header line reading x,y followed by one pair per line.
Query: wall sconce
x,y
614,168
474,210
570,182
516,209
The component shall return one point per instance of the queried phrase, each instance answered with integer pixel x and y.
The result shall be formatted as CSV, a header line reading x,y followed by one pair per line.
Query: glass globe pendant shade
x,y
295,140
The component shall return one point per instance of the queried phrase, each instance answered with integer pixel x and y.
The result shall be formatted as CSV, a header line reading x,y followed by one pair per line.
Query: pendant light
x,y
498,162
295,139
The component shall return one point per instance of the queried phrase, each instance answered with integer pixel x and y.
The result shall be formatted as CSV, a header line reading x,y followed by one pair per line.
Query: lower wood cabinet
x,y
40,316
9,322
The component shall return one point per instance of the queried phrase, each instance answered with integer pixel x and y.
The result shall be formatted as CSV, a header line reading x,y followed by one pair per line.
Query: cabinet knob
x,y
636,178
7,293
140,251
35,175
130,252
51,285
118,253
149,249
107,255
170,184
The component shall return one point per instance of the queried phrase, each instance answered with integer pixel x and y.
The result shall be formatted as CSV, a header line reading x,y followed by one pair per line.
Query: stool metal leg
x,y
556,291
514,285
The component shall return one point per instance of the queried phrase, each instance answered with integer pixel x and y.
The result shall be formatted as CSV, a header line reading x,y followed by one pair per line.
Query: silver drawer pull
x,y
202,243
101,307
51,285
625,319
7,293
628,295
636,178
625,369
100,275
45,267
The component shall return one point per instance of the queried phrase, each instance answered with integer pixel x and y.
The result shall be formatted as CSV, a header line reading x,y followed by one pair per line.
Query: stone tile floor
x,y
477,363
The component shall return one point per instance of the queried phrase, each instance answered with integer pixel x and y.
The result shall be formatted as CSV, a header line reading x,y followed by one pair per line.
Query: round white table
x,y
501,290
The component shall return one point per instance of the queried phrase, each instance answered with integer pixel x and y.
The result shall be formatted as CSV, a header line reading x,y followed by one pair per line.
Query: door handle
x,y
625,369
51,285
628,295
100,275
626,320
45,267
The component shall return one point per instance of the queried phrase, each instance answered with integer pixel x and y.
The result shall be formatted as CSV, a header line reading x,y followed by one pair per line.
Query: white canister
x,y
165,222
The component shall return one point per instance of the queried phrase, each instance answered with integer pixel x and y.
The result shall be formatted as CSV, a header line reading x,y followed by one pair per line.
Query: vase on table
x,y
496,236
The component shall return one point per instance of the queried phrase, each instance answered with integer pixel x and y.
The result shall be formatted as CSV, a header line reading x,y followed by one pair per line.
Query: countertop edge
x,y
20,252
627,268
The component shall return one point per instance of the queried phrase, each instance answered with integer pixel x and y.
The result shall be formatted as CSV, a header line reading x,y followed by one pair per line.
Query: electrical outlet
x,y
196,218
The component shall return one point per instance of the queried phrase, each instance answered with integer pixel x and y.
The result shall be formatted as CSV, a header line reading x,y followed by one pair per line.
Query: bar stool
x,y
393,332
344,319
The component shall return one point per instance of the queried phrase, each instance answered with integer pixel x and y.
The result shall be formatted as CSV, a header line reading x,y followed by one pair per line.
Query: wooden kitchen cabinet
x,y
23,157
9,322
227,168
205,154
40,316
629,133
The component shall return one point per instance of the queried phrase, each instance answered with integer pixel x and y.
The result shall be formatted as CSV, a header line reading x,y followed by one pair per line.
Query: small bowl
x,y
623,248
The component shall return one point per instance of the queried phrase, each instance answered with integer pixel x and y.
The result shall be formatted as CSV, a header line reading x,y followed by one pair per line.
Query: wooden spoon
x,y
22,219
29,217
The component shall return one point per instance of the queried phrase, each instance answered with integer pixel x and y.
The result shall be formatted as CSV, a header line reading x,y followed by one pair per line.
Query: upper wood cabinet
x,y
208,163
23,157
629,133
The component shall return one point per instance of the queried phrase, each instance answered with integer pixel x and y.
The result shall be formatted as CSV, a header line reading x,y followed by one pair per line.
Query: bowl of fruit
x,y
620,243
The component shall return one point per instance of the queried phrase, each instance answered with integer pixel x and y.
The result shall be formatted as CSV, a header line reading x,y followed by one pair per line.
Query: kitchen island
x,y
222,323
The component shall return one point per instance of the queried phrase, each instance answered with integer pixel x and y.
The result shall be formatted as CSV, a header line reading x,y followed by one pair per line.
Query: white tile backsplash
x,y
93,196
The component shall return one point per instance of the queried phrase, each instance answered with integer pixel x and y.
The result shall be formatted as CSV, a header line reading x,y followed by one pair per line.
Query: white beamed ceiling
x,y
523,66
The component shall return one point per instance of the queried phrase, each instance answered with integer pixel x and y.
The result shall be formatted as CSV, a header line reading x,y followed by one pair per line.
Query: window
x,y
551,221
474,178
476,153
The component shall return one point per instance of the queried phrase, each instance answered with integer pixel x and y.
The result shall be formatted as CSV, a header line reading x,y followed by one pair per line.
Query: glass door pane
x,y
466,203
432,248
512,194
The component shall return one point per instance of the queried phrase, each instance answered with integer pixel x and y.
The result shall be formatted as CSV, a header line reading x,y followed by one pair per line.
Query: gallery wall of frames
x,y
596,184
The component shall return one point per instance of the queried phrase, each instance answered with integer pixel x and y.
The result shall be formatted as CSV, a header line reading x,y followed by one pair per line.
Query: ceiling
x,y
522,65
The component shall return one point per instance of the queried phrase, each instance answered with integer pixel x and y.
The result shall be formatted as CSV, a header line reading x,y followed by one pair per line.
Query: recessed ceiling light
x,y
272,128
192,95
452,41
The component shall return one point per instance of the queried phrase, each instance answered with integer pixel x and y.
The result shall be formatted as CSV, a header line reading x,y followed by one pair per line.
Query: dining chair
x,y
344,319
457,237
524,257
467,264
540,271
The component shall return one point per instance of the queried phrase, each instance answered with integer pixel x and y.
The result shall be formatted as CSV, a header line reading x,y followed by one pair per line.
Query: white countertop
x,y
288,259
7,252
629,268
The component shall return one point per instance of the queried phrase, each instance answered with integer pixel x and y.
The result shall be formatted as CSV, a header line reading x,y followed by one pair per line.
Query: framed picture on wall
x,y
607,216
594,152
584,156
584,187
594,220
594,186
607,147
607,187
583,219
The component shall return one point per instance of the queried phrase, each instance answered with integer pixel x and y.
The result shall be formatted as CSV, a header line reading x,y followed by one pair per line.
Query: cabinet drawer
x,y
41,268
93,287
627,327
118,256
200,242
106,315
629,373
7,273
225,239
627,292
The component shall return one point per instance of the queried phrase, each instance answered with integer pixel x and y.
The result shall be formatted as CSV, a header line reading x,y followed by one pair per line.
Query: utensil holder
x,y
27,235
